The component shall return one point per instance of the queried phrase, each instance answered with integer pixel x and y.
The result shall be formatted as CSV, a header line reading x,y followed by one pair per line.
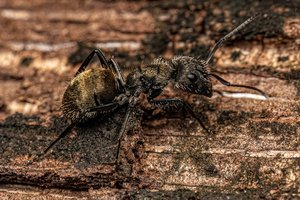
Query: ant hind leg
x,y
116,69
88,59
107,108
107,64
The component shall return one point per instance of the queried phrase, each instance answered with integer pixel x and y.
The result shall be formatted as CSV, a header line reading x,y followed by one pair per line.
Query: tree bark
x,y
254,152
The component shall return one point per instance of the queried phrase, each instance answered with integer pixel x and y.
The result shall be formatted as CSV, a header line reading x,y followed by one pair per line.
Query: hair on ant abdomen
x,y
93,87
98,91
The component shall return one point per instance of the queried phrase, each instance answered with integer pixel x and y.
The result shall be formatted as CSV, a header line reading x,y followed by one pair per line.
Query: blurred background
x,y
256,150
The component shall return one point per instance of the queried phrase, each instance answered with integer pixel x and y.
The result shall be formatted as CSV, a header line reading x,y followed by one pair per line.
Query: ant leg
x,y
123,129
177,103
107,108
226,83
219,92
106,64
130,108
115,67
88,59
62,135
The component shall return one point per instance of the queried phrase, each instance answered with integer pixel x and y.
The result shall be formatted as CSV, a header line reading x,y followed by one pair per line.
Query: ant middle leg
x,y
132,101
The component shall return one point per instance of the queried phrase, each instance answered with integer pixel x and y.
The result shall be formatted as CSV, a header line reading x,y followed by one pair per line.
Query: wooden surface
x,y
254,153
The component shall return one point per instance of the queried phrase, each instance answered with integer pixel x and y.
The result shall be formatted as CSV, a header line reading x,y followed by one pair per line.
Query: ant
x,y
94,92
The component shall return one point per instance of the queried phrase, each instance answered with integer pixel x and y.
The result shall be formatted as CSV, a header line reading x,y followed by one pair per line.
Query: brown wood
x,y
255,152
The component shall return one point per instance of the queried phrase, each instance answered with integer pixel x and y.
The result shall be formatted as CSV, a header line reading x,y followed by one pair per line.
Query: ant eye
x,y
192,77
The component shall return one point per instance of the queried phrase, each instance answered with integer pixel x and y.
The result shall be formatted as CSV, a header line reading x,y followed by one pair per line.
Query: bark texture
x,y
254,153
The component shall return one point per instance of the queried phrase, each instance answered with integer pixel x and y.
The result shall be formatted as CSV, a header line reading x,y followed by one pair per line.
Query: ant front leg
x,y
175,104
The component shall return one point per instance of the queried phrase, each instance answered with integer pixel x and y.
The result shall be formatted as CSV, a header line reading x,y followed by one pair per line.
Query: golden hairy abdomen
x,y
81,92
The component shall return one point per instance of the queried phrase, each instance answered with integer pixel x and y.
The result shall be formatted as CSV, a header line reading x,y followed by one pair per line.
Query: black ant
x,y
99,91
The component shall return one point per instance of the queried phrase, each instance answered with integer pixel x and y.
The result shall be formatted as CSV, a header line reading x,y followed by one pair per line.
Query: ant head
x,y
192,75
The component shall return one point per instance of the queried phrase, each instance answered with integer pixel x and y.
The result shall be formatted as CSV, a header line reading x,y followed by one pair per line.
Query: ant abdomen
x,y
90,88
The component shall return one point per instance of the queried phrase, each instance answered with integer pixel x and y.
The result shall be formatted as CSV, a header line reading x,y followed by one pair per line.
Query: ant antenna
x,y
226,37
224,82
